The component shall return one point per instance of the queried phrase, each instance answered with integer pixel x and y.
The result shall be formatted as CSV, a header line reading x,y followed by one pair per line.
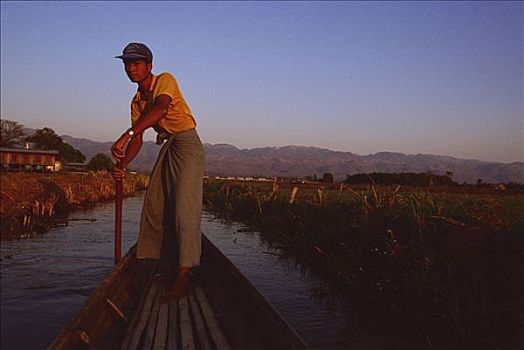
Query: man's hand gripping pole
x,y
118,213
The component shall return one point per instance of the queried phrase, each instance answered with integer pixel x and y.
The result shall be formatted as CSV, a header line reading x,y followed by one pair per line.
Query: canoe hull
x,y
99,324
247,319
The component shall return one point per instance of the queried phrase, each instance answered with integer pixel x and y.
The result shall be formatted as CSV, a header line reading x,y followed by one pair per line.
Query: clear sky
x,y
443,78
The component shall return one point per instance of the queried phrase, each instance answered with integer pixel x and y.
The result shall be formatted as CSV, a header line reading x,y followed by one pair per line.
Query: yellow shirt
x,y
178,117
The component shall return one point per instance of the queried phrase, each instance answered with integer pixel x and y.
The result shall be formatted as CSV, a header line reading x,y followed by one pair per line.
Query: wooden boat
x,y
222,310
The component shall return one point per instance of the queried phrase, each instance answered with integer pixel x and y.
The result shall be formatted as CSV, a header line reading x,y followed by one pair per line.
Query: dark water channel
x,y
45,280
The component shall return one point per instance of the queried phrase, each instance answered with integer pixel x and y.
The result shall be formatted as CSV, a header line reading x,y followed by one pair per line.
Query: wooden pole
x,y
118,217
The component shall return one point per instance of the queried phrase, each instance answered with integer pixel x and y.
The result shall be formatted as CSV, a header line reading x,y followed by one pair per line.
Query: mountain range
x,y
300,161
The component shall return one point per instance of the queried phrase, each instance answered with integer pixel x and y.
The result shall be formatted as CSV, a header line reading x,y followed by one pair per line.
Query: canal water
x,y
46,279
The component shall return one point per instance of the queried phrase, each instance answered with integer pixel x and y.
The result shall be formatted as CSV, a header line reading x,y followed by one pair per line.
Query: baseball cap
x,y
135,51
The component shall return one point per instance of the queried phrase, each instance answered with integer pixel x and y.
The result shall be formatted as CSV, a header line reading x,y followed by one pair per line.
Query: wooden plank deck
x,y
188,324
221,311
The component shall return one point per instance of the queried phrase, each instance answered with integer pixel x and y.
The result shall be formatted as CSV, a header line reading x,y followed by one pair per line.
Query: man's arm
x,y
145,121
132,149
154,115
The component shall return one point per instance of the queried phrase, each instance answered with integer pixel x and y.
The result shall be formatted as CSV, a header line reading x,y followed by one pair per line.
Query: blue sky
x,y
414,77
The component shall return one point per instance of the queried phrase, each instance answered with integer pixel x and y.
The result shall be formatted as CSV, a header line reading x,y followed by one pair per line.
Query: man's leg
x,y
188,164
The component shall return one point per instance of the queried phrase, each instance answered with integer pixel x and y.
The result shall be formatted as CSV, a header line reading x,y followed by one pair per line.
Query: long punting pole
x,y
118,217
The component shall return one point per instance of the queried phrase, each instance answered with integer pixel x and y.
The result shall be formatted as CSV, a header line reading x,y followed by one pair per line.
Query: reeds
x,y
30,202
424,269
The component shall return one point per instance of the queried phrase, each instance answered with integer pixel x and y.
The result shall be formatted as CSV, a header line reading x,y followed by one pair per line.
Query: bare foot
x,y
165,277
177,289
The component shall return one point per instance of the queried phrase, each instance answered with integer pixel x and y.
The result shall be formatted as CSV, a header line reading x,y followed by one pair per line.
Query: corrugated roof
x,y
23,150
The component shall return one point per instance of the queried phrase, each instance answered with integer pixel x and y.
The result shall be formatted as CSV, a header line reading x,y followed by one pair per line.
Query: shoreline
x,y
32,203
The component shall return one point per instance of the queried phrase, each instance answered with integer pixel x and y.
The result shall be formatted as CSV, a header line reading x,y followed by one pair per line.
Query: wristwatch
x,y
130,132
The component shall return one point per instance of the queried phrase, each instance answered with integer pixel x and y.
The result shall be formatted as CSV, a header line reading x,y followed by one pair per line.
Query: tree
x,y
328,178
11,133
100,161
47,139
70,154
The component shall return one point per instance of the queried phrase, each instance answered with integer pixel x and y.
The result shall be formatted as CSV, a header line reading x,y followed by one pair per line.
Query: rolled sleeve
x,y
135,111
166,85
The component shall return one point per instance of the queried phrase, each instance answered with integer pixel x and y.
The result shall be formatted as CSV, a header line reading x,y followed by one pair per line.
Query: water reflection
x,y
322,325
46,279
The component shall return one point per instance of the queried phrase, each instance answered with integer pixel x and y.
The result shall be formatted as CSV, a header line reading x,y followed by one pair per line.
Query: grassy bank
x,y
31,202
422,269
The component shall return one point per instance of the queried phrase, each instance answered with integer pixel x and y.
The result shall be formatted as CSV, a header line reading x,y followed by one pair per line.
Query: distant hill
x,y
228,160
144,160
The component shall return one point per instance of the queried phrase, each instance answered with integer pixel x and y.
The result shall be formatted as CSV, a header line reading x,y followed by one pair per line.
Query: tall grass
x,y
424,269
29,202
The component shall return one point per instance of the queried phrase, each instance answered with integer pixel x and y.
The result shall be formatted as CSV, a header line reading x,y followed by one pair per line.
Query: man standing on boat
x,y
173,202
